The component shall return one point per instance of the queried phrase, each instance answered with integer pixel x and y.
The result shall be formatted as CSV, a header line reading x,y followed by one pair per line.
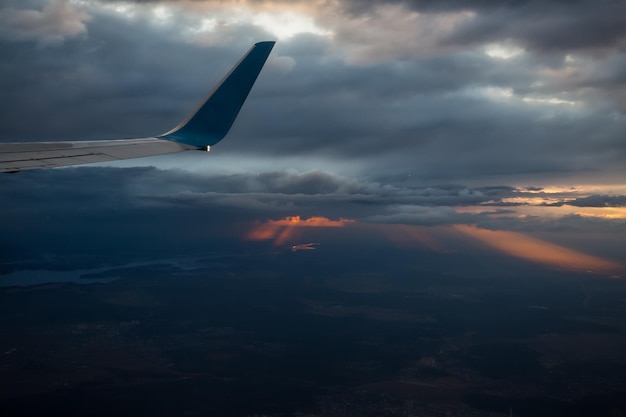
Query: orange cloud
x,y
310,222
536,250
290,228
603,212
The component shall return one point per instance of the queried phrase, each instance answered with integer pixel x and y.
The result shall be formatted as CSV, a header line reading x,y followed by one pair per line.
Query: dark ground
x,y
317,334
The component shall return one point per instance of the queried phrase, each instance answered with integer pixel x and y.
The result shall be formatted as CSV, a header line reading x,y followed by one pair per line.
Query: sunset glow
x,y
291,228
535,250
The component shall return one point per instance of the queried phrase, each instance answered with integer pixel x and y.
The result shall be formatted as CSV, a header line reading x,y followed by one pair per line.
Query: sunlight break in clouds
x,y
290,228
503,50
560,201
536,250
281,20
287,24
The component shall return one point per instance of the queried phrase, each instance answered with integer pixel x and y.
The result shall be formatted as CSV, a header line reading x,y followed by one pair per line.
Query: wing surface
x,y
202,129
15,157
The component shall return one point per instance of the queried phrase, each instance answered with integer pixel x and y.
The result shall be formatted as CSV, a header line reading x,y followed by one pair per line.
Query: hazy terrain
x,y
317,333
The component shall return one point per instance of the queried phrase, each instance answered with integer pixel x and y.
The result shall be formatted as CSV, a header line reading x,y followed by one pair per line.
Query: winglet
x,y
213,119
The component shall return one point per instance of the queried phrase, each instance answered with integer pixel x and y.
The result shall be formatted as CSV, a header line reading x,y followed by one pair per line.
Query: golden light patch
x,y
567,210
602,212
536,250
315,221
290,228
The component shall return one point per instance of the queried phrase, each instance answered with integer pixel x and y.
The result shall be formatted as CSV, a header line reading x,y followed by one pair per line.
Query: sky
x,y
440,126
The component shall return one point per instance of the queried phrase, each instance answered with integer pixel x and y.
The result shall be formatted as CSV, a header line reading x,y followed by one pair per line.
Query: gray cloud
x,y
86,216
440,117
595,201
253,197
363,125
53,23
538,25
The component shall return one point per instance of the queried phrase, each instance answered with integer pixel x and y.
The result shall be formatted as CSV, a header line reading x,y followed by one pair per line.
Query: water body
x,y
105,274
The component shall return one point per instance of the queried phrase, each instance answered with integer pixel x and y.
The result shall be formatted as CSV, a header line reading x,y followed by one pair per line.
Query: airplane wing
x,y
199,131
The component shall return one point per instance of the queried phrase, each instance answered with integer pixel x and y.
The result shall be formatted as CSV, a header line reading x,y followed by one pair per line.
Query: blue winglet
x,y
213,119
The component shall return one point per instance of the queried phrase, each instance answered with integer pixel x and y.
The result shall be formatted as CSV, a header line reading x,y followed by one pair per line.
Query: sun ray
x,y
291,228
535,250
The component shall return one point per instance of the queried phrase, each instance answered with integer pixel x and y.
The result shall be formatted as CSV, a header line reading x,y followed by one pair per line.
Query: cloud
x,y
57,21
599,201
296,221
394,31
287,229
115,214
405,116
442,116
545,26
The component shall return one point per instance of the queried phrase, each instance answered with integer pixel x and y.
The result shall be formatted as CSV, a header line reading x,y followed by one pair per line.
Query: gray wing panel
x,y
16,157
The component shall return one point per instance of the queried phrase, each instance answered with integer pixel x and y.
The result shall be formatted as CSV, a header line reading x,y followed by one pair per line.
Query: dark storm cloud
x,y
107,84
113,215
595,201
52,23
256,196
538,25
103,214
406,110
440,117
315,193
242,197
552,27
600,201
411,124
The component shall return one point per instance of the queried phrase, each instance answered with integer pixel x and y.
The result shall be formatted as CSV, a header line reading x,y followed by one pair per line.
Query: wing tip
x,y
214,118
268,43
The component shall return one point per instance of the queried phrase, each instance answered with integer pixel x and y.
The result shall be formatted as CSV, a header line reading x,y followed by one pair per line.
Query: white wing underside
x,y
16,157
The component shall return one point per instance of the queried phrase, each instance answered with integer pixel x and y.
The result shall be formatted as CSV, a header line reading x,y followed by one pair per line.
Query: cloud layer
x,y
140,212
412,117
